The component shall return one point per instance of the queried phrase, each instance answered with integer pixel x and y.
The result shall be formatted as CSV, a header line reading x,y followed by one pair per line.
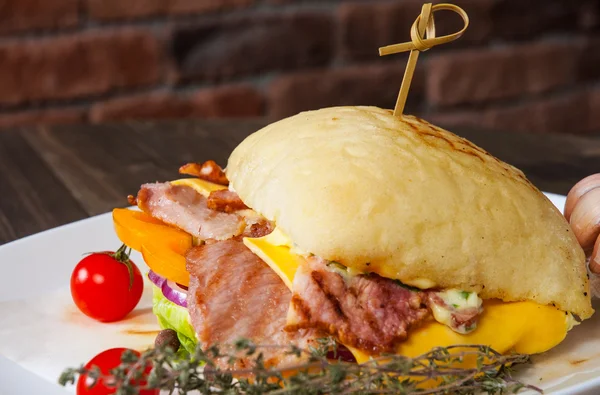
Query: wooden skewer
x,y
423,26
423,19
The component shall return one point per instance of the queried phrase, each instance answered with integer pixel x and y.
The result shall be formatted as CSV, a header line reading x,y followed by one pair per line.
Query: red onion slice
x,y
156,279
174,293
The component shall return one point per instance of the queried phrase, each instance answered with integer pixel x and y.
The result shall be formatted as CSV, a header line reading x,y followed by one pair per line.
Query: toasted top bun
x,y
413,202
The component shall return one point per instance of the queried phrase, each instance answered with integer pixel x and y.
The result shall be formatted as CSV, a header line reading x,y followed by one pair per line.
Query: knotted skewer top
x,y
424,26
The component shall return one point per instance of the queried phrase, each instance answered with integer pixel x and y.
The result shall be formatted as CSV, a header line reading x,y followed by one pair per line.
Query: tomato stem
x,y
122,256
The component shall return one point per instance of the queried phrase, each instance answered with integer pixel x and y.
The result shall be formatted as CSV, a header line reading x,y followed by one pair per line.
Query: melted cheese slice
x,y
204,188
524,327
274,249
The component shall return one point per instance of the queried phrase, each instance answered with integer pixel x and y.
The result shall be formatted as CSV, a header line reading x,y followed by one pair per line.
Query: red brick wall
x,y
522,65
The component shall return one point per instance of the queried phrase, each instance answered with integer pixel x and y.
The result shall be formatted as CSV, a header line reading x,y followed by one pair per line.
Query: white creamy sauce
x,y
456,302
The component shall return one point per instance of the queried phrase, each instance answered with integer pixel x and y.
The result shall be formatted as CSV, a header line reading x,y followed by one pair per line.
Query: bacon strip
x,y
209,171
234,294
183,207
258,229
226,201
368,312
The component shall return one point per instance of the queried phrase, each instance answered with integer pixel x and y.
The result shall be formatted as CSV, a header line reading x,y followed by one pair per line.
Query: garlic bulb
x,y
580,189
582,210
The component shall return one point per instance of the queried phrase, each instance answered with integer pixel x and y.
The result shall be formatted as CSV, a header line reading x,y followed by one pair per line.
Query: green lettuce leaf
x,y
172,316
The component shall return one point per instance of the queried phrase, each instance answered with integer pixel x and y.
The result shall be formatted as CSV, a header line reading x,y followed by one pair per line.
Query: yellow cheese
x,y
273,250
524,327
277,238
203,187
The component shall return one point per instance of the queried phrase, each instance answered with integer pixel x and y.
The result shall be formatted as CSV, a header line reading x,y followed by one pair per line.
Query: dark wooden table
x,y
54,175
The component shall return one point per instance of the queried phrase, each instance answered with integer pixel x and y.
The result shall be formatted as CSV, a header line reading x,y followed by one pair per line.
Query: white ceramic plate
x,y
39,264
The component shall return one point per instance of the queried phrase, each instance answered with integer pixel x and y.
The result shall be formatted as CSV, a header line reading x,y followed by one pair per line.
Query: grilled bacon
x,y
368,312
186,209
234,294
226,201
208,171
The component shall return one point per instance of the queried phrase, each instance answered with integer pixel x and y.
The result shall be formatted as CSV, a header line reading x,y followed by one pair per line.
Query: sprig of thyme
x,y
213,371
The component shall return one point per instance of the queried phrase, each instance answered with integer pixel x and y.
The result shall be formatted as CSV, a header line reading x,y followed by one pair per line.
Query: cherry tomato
x,y
106,286
106,361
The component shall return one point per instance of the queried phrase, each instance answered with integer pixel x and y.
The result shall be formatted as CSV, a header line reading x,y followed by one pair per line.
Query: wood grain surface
x,y
50,176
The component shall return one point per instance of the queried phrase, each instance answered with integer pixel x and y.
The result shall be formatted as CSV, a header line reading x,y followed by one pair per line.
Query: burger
x,y
387,234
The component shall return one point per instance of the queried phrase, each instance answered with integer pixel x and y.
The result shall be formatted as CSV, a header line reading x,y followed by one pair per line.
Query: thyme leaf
x,y
217,370
465,294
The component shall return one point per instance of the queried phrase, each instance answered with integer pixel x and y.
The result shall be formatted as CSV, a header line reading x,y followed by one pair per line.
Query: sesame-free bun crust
x,y
410,201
